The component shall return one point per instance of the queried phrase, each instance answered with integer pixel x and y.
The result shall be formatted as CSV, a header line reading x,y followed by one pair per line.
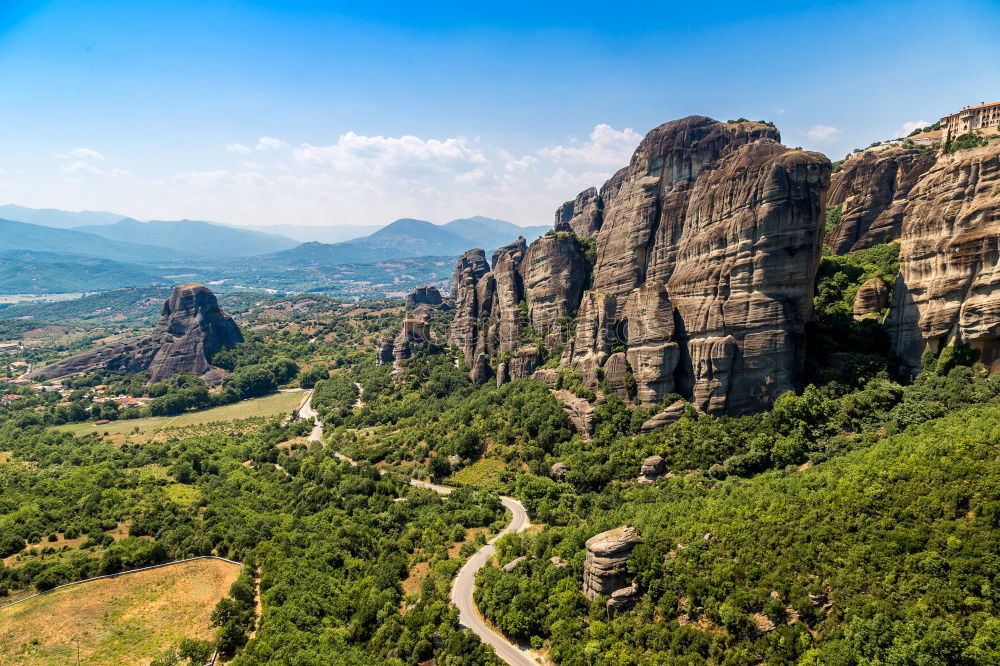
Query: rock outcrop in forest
x,y
707,245
605,568
191,329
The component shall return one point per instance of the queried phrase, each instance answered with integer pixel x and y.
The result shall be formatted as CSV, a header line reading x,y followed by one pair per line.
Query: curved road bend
x,y
465,581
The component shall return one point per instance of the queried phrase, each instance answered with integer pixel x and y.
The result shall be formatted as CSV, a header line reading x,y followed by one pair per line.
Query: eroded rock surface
x,y
191,329
707,247
742,284
604,570
671,414
950,259
582,216
427,295
554,274
873,191
872,298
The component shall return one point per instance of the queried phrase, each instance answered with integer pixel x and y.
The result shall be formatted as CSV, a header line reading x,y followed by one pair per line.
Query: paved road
x,y
465,581
306,411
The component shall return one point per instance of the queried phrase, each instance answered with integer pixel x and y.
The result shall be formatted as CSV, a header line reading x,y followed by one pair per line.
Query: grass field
x,y
279,403
125,620
484,474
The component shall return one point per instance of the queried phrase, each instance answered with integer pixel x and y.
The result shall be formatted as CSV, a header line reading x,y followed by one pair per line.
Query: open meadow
x,y
156,427
125,620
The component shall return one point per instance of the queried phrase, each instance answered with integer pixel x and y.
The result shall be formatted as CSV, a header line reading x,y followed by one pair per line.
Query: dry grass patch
x,y
160,428
124,620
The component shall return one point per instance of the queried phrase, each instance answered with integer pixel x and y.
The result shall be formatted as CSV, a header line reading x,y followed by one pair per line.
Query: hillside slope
x,y
406,238
195,237
59,219
36,238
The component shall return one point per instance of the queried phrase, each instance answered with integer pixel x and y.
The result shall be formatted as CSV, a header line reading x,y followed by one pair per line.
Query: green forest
x,y
856,522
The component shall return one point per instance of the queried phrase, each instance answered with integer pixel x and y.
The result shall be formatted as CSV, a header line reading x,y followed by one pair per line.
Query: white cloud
x,y
380,155
220,178
607,146
270,143
779,112
911,125
563,180
81,154
517,164
356,179
79,166
823,133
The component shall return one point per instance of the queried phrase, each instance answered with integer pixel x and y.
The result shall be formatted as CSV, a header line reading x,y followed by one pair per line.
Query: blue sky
x,y
332,113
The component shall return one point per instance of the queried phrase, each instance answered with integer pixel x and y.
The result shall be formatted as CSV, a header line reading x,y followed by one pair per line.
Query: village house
x,y
9,398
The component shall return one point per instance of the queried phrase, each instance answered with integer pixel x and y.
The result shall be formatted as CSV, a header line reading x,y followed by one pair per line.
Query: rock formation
x,y
872,298
651,468
873,191
191,329
671,414
742,283
464,333
582,216
649,328
383,353
707,247
607,554
413,333
554,275
595,335
950,259
623,599
428,295
644,204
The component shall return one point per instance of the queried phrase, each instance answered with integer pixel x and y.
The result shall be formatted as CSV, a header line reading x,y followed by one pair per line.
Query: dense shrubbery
x,y
899,533
327,537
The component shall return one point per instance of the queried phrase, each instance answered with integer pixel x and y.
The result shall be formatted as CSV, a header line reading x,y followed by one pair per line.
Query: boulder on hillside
x,y
671,414
872,298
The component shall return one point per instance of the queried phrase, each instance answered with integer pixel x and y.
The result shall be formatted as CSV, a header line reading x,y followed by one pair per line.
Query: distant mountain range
x,y
410,238
193,237
90,251
60,219
306,233
36,238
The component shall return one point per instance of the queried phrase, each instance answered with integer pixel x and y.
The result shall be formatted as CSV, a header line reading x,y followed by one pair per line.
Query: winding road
x,y
465,582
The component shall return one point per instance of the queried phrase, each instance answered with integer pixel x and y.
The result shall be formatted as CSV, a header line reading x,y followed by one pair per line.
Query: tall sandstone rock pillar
x,y
742,282
707,248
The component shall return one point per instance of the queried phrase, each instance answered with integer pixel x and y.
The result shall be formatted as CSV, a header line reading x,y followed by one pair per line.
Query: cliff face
x,y
742,282
191,329
644,205
949,256
707,246
873,191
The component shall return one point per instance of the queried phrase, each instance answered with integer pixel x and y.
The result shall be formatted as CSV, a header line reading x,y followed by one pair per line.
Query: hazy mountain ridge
x,y
194,236
36,238
408,237
55,218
